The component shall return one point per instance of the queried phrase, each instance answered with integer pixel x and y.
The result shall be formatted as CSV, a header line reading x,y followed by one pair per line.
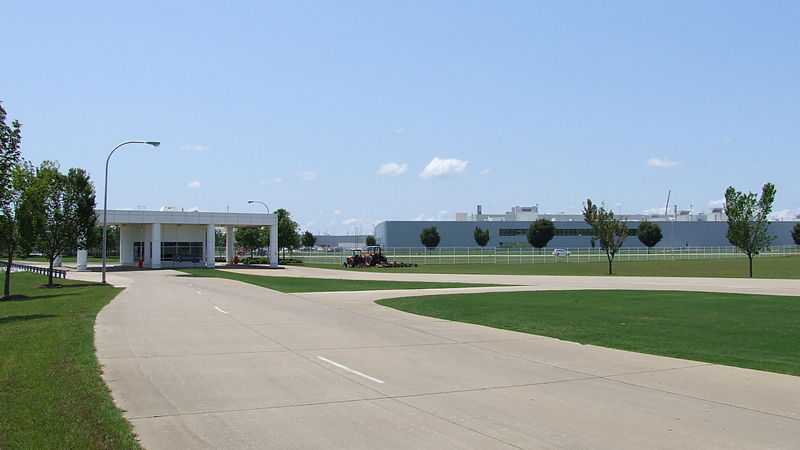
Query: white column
x,y
155,260
83,259
273,245
229,250
125,245
210,246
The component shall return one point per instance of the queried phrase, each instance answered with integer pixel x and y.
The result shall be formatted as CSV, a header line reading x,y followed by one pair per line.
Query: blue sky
x,y
351,113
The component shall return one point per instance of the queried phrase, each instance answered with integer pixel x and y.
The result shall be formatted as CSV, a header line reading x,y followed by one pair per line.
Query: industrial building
x,y
509,229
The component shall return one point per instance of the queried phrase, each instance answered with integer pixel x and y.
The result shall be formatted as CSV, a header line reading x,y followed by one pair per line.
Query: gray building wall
x,y
460,234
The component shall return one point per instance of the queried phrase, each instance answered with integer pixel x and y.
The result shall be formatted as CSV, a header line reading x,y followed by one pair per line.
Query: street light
x,y
105,196
256,201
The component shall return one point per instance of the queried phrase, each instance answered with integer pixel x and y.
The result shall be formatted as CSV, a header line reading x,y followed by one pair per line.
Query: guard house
x,y
176,238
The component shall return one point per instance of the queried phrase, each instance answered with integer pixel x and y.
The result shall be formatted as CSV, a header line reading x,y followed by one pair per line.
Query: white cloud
x,y
194,185
337,212
392,168
653,211
439,167
486,171
352,221
716,203
193,147
399,130
272,181
443,213
422,217
727,141
784,214
662,162
309,175
194,208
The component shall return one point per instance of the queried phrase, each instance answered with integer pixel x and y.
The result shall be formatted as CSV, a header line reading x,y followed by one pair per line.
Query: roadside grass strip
x,y
783,267
754,331
51,393
297,284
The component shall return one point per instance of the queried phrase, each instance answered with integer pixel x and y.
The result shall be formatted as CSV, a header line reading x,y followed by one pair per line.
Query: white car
x,y
561,252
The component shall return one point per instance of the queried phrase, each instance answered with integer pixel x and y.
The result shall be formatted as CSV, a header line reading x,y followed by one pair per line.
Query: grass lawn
x,y
51,393
768,267
755,331
295,284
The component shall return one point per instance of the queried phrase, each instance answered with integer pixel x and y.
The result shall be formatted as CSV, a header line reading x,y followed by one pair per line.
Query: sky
x,y
350,113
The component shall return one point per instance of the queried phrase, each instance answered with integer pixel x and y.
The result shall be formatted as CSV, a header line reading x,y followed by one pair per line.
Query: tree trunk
x,y
609,263
7,288
750,257
50,273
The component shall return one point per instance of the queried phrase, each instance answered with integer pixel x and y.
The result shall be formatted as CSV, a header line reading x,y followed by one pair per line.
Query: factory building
x,y
509,229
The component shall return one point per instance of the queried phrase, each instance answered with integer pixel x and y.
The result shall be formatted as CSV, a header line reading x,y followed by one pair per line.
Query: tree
x,y
250,238
541,232
370,240
796,233
220,238
287,231
649,234
748,227
10,192
610,231
308,239
481,236
429,237
63,216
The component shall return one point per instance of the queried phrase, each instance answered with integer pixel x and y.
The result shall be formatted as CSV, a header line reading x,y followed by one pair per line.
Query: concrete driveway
x,y
213,363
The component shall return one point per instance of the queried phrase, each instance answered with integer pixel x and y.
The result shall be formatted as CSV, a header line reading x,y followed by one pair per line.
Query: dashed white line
x,y
220,310
351,370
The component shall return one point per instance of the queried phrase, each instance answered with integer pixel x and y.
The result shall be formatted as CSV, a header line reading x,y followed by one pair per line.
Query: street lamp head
x,y
153,143
250,201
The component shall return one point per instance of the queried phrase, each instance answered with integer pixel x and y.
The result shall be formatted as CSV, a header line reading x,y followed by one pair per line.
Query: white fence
x,y
454,255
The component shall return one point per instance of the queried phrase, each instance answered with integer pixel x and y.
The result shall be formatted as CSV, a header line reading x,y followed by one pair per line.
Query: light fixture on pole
x,y
256,201
105,197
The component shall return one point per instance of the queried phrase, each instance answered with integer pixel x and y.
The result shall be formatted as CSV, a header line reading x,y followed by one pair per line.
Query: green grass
x,y
70,259
772,267
295,284
51,393
755,331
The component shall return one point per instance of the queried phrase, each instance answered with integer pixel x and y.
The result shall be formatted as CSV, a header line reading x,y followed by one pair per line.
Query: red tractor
x,y
374,257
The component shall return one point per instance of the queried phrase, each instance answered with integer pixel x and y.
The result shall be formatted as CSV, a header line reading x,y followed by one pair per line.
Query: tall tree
x,y
481,236
10,193
288,238
220,238
610,231
796,233
649,234
251,238
370,240
541,232
748,227
64,211
430,237
308,239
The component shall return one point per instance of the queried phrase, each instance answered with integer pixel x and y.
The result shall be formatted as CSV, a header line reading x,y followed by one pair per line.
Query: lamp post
x,y
105,197
256,201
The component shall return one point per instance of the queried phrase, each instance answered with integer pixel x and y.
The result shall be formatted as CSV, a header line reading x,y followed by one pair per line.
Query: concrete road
x,y
213,363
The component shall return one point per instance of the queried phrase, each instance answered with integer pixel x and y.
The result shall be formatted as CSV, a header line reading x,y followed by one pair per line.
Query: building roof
x,y
118,217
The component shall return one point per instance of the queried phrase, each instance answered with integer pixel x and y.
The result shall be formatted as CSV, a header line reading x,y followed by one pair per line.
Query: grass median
x,y
297,284
51,393
754,331
785,267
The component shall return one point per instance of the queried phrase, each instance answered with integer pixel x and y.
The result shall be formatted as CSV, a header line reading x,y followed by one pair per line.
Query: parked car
x,y
561,252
